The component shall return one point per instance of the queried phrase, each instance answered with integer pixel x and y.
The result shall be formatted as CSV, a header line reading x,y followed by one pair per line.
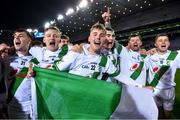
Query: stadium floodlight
x,y
77,8
47,24
35,30
29,30
83,4
60,17
52,22
70,11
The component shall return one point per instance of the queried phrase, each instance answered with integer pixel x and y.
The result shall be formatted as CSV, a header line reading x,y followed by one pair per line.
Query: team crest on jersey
x,y
134,66
155,69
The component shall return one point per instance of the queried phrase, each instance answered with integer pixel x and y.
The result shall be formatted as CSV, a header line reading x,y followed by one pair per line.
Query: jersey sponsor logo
x,y
85,66
94,63
155,69
49,66
134,66
15,61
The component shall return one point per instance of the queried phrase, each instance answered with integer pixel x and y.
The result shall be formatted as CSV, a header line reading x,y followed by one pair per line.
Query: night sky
x,y
31,13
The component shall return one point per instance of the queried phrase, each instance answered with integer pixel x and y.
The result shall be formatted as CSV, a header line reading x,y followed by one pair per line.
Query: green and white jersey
x,y
132,65
18,62
163,68
44,57
84,65
89,65
19,97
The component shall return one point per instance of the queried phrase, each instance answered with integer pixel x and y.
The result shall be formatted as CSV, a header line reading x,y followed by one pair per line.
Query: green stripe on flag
x,y
66,96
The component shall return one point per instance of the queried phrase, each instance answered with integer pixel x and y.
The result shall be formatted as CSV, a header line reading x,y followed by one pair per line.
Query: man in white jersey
x,y
19,101
45,56
131,61
163,65
112,49
91,63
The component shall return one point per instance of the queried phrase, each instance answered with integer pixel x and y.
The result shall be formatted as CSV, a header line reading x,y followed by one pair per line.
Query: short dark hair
x,y
65,37
159,35
110,29
135,35
25,31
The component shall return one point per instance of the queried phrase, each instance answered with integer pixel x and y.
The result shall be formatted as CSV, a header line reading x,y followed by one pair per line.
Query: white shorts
x,y
165,98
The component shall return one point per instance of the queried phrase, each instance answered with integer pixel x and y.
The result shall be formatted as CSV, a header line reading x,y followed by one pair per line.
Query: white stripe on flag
x,y
136,103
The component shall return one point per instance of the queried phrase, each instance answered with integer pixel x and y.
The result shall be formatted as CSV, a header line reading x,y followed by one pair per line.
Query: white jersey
x,y
87,64
20,104
19,61
156,61
45,57
129,63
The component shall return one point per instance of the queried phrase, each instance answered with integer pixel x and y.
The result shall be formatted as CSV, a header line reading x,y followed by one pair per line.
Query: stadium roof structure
x,y
35,13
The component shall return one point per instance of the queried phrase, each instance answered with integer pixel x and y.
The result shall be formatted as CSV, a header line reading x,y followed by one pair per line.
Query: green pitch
x,y
176,113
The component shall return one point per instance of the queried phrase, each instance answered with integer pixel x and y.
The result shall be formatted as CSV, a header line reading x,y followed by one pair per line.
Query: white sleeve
x,y
67,61
127,80
115,73
124,52
178,51
146,62
35,51
110,68
177,61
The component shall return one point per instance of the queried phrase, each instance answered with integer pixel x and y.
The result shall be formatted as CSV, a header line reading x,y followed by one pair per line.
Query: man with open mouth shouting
x,y
127,59
45,56
19,98
91,62
163,65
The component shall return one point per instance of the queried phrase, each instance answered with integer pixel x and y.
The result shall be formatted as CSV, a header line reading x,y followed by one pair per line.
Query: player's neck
x,y
92,51
22,52
161,52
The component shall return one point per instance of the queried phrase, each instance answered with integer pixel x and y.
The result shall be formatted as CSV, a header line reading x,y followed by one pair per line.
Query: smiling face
x,y
162,43
135,43
97,39
21,41
52,39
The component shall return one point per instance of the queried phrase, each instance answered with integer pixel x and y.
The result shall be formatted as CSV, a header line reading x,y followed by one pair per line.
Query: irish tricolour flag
x,y
67,96
59,95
